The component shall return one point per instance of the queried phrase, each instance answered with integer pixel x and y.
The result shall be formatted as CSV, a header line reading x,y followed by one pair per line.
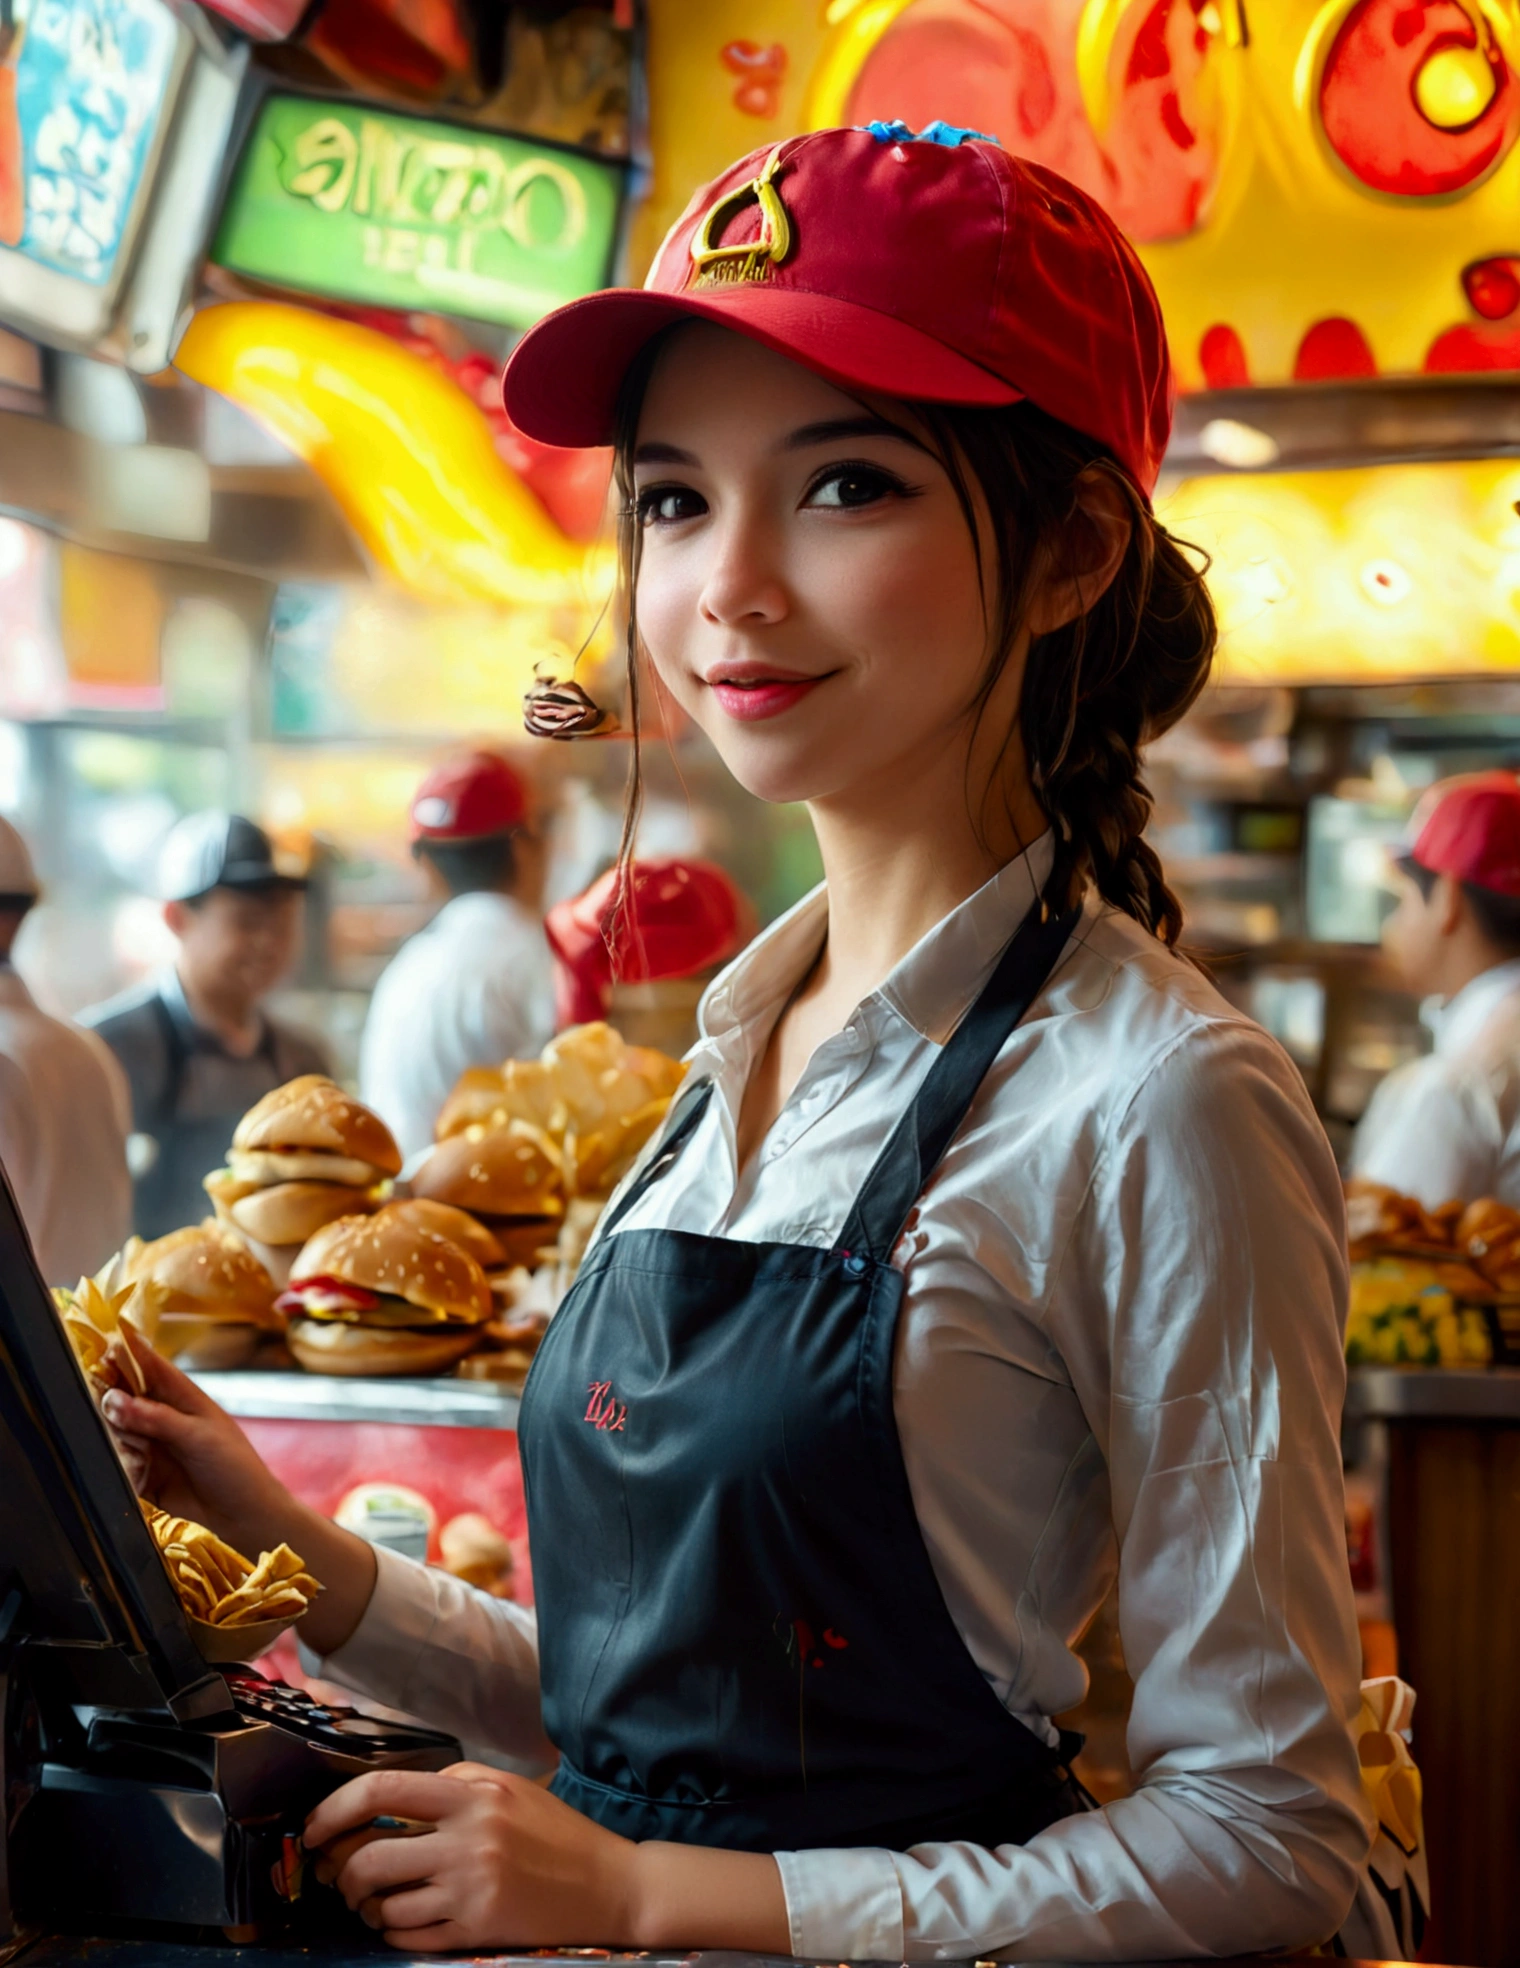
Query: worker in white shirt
x,y
1448,1126
987,1253
65,1111
475,986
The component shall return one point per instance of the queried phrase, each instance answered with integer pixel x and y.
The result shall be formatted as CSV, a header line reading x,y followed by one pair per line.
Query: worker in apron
x,y
987,1254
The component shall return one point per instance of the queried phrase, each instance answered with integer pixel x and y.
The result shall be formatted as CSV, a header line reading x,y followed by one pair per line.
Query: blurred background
x,y
267,539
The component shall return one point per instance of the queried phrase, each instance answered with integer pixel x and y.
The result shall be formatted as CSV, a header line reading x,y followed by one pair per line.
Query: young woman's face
x,y
808,587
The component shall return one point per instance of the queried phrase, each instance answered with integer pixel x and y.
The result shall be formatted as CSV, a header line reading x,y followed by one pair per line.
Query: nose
x,y
742,585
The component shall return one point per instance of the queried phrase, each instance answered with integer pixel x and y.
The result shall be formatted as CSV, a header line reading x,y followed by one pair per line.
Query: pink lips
x,y
749,693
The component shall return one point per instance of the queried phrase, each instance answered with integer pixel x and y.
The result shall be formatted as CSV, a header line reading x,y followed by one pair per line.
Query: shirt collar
x,y
1458,1021
930,987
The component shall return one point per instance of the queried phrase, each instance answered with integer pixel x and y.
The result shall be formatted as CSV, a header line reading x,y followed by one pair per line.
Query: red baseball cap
x,y
678,917
469,797
1469,828
936,266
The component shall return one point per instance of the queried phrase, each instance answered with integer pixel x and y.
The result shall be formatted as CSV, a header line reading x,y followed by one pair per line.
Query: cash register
x,y
138,1784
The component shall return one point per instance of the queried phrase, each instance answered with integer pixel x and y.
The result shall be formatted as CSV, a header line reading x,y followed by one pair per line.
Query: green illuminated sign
x,y
363,205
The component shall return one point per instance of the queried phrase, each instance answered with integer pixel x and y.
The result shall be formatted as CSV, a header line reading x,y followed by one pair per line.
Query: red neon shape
x,y
1371,113
1222,358
1493,286
1333,351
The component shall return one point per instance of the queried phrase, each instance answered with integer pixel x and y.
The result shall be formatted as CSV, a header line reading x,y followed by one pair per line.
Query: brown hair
x,y
1094,690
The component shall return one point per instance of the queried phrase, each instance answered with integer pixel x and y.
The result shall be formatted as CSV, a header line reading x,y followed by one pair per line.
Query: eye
x,y
846,487
668,505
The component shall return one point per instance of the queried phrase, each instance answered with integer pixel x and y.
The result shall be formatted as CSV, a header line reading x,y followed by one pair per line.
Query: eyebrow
x,y
833,430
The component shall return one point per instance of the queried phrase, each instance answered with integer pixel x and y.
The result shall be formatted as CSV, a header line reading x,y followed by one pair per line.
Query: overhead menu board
x,y
113,119
360,204
91,81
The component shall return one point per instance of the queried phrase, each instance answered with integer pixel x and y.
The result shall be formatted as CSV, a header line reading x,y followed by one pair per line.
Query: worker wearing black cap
x,y
196,1045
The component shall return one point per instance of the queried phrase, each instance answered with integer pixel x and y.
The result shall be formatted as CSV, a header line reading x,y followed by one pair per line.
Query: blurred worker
x,y
1448,1125
64,1109
473,987
197,1046
678,919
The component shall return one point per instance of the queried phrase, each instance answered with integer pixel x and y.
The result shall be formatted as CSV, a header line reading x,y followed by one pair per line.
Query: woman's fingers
x,y
384,1793
166,1382
386,1863
446,1937
147,1420
422,1906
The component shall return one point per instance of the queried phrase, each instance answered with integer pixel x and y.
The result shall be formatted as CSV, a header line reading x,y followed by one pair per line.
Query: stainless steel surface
x,y
59,1953
1434,1394
323,1397
1322,425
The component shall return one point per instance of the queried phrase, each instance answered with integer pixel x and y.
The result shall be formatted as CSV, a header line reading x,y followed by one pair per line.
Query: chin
x,y
781,775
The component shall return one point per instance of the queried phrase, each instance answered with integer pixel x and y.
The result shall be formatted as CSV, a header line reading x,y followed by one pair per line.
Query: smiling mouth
x,y
749,698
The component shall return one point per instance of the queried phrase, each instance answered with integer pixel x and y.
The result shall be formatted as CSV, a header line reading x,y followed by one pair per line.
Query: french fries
x,y
219,1585
96,1311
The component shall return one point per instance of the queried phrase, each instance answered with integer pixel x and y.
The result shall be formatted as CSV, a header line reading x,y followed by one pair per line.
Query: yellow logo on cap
x,y
720,266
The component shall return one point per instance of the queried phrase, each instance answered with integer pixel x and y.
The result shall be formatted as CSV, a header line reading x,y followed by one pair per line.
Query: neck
x,y
897,860
1468,964
231,1019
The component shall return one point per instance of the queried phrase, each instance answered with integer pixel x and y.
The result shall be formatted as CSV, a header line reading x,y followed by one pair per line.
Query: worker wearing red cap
x,y
654,920
473,988
988,1253
1448,1125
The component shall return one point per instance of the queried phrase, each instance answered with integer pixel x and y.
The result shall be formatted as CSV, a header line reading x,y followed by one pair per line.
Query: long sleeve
x,y
1199,1312
452,1655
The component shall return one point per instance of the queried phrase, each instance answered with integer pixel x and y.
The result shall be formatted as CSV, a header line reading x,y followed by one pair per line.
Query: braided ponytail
x,y
1102,685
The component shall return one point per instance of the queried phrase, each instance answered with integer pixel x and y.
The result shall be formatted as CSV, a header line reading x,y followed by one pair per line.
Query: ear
x,y
177,916
1449,905
1085,563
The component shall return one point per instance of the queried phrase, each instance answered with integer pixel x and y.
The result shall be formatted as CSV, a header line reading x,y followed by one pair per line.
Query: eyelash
x,y
644,514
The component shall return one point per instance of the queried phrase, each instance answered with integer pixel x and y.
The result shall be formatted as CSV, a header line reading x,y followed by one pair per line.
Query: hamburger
x,y
303,1157
471,1547
508,1178
384,1294
459,1227
216,1301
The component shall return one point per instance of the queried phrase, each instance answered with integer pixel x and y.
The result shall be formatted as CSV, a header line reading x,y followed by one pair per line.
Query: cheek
x,y
669,614
908,601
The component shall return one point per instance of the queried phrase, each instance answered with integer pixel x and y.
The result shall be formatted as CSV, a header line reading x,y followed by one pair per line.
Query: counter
x,y
1434,1394
454,1442
169,1954
1447,1442
437,1403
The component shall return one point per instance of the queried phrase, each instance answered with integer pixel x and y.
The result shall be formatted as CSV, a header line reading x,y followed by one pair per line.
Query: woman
x,y
988,1249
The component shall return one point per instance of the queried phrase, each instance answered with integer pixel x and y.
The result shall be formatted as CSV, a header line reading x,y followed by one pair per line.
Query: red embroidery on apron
x,y
604,1411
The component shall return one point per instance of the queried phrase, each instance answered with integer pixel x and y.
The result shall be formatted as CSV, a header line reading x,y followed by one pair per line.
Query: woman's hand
x,y
507,1862
189,1456
508,1865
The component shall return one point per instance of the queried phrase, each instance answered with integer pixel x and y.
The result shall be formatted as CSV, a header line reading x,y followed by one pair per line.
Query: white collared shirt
x,y
1121,1343
1448,1126
473,988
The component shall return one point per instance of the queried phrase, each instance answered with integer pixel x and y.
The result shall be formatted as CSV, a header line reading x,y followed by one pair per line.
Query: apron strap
x,y
683,1123
920,1138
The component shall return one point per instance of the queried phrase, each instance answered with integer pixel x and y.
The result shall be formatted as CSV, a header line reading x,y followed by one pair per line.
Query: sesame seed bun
x,y
208,1273
327,1348
505,1171
394,1255
458,1226
313,1114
